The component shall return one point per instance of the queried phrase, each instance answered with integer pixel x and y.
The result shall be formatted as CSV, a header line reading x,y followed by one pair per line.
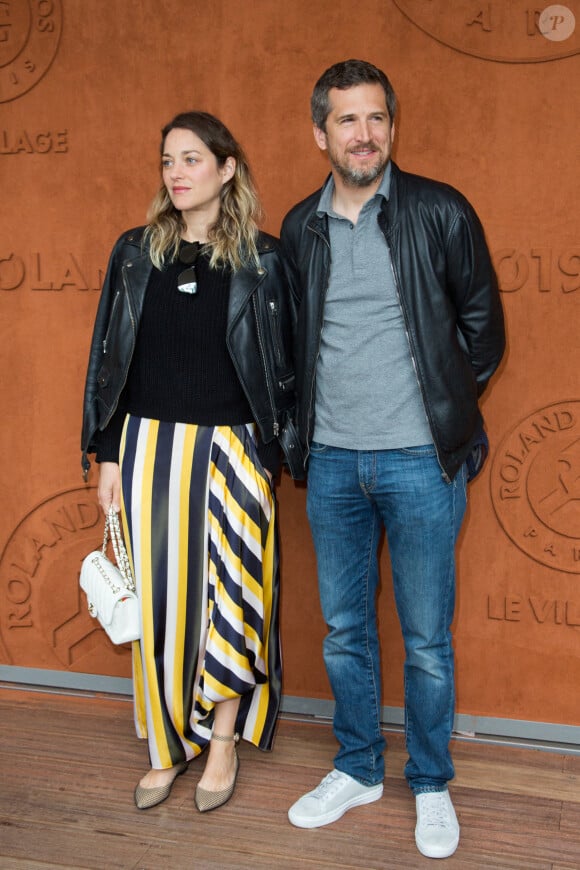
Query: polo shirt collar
x,y
325,201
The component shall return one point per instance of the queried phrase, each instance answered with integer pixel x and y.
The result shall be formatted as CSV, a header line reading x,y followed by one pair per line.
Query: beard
x,y
358,177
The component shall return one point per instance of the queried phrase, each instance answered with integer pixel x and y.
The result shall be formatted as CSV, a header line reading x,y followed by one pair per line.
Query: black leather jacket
x,y
448,294
259,337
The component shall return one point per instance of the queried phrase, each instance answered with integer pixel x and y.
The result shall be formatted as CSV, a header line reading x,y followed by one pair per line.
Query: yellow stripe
x,y
139,691
230,607
218,688
232,505
155,703
268,582
140,710
234,559
126,536
182,581
221,538
219,642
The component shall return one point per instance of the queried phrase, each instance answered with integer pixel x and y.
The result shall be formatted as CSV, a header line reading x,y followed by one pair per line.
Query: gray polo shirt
x,y
367,394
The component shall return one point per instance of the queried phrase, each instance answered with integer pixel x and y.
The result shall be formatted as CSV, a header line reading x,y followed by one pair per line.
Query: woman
x,y
189,394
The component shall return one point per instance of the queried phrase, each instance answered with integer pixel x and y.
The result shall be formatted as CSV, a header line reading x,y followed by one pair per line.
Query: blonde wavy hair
x,y
232,239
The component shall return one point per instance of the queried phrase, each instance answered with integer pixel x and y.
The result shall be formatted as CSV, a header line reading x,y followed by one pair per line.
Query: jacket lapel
x,y
243,284
136,274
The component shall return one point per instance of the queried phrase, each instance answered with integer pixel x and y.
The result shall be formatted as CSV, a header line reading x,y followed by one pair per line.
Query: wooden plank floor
x,y
69,765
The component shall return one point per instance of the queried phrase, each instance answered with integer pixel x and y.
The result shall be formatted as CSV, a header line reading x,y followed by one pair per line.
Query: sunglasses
x,y
187,280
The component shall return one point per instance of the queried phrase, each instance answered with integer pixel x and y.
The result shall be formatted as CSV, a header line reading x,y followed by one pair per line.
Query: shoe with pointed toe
x,y
210,800
150,797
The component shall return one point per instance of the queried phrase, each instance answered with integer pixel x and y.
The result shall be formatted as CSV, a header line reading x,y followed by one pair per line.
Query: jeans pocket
x,y
317,447
422,450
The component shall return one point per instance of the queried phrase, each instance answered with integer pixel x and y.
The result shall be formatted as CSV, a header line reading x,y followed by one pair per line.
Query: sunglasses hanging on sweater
x,y
187,280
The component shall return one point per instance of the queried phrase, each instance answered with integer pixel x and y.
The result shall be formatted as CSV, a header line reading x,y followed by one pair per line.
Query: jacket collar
x,y
136,273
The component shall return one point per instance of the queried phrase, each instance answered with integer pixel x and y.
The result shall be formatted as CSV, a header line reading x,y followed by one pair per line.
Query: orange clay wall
x,y
490,102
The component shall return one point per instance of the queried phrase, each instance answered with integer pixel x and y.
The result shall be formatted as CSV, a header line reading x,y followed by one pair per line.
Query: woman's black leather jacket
x,y
448,294
259,338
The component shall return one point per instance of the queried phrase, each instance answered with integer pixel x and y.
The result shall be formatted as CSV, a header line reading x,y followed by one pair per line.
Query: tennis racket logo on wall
x,y
512,32
535,485
30,33
44,621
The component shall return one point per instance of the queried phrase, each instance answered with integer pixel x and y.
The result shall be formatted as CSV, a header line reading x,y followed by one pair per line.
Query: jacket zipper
x,y
446,477
276,324
127,367
321,325
113,311
275,426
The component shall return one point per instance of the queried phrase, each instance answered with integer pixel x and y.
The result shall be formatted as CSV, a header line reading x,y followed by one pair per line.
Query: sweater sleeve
x,y
108,441
269,456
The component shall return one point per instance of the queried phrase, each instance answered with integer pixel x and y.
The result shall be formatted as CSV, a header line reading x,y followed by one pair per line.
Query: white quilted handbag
x,y
110,588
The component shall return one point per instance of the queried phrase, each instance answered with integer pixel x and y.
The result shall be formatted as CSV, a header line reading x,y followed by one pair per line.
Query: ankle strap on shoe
x,y
226,738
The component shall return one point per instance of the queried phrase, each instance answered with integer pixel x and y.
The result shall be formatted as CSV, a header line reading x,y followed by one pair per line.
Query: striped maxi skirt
x,y
199,519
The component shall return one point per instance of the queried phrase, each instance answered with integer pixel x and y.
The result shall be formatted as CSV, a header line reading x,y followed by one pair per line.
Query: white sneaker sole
x,y
374,793
434,852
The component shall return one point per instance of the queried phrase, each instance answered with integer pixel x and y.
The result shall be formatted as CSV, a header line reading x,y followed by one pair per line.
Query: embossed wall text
x,y
29,36
29,142
540,268
534,609
44,619
37,271
535,485
504,31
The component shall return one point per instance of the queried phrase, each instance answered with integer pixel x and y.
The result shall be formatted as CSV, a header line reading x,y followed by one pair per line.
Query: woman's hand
x,y
109,489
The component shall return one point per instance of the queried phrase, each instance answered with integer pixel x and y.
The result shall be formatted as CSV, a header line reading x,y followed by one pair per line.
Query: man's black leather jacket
x,y
259,337
448,294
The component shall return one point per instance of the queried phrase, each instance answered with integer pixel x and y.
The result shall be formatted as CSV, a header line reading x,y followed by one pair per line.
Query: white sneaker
x,y
337,793
437,830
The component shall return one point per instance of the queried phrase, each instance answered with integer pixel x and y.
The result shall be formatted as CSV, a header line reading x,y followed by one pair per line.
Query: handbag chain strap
x,y
112,526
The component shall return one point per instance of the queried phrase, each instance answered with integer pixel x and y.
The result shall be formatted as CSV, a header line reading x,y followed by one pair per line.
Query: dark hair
x,y
232,238
344,75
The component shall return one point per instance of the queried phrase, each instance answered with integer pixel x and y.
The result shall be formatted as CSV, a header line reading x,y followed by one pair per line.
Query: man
x,y
400,328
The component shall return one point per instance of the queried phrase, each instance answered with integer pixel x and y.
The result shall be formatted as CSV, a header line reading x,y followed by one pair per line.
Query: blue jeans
x,y
351,495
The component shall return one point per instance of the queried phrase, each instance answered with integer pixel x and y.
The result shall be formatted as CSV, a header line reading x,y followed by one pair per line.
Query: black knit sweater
x,y
181,370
